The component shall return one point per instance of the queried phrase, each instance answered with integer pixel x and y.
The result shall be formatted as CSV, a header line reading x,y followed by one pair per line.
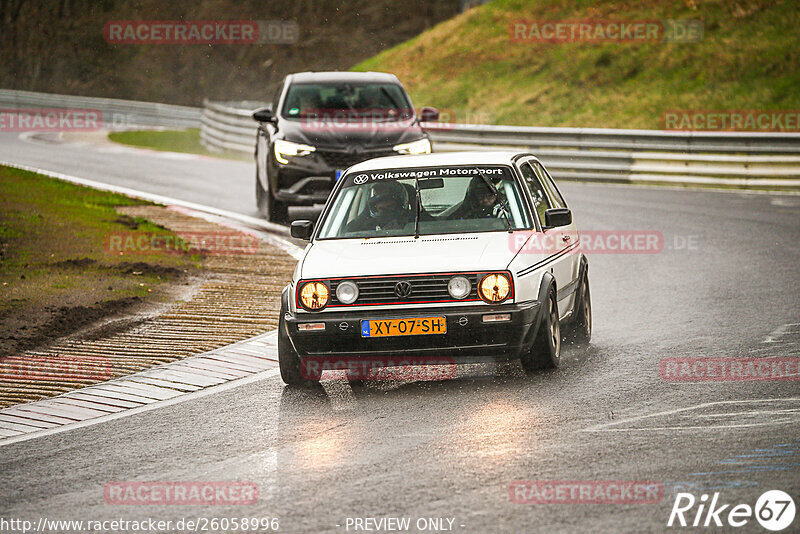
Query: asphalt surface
x,y
725,285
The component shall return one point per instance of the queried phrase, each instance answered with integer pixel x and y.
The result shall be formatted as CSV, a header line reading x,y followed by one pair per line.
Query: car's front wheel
x,y
268,207
546,350
288,359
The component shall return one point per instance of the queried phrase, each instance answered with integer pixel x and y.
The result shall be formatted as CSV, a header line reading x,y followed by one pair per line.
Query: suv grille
x,y
424,288
343,160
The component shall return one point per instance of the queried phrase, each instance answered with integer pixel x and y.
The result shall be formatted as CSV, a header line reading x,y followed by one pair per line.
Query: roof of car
x,y
336,76
500,157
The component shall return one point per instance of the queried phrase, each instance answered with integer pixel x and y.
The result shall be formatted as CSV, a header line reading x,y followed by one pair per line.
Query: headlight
x,y
459,287
495,288
314,296
421,146
287,148
347,292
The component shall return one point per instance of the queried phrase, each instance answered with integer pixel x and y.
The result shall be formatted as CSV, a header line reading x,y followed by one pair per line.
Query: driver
x,y
479,202
387,209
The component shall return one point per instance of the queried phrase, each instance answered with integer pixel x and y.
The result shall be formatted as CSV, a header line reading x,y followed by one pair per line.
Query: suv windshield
x,y
336,100
453,200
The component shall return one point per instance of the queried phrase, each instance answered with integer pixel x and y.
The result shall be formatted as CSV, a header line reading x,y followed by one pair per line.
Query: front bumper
x,y
309,179
468,338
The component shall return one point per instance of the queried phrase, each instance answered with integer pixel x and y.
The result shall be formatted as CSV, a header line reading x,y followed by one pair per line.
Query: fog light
x,y
496,317
310,327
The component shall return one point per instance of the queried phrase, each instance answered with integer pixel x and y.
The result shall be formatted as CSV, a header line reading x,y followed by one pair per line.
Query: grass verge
x,y
186,141
470,67
58,268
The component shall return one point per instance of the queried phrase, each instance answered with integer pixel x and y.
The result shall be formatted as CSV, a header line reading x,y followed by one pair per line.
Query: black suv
x,y
321,123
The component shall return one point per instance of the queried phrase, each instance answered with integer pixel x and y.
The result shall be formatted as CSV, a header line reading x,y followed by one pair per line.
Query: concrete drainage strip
x,y
166,384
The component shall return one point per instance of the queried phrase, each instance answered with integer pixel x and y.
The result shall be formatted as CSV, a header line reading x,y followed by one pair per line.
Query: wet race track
x,y
450,454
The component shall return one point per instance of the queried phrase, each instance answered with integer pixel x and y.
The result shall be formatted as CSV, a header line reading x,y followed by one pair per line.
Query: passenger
x,y
387,209
480,202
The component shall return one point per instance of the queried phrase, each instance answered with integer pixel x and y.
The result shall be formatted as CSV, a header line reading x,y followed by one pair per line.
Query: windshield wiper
x,y
419,207
500,200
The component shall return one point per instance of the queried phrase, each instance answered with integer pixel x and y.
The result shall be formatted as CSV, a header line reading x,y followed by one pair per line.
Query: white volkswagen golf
x,y
454,257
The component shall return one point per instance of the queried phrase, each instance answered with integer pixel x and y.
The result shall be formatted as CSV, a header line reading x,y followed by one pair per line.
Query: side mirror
x,y
428,114
557,217
263,115
302,229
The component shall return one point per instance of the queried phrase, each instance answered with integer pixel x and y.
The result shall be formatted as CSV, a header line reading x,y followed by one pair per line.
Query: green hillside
x,y
748,59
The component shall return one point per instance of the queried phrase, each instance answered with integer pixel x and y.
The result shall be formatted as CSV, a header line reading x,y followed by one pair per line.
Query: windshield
x,y
453,200
334,101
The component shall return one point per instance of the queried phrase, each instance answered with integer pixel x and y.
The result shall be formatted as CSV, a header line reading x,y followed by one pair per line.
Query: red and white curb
x,y
211,372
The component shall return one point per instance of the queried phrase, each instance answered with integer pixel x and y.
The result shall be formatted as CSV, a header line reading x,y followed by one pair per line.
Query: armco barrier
x,y
769,160
117,114
760,160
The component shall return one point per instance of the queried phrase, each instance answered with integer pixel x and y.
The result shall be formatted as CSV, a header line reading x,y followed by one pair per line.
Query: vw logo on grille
x,y
402,289
360,179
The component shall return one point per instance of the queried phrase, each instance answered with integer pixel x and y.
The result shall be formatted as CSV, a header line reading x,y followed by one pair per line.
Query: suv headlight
x,y
420,146
287,148
314,296
494,288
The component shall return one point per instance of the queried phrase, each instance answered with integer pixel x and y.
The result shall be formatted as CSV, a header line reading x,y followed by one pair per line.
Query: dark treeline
x,y
58,45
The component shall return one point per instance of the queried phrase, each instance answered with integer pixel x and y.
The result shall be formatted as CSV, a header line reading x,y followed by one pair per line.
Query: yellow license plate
x,y
418,326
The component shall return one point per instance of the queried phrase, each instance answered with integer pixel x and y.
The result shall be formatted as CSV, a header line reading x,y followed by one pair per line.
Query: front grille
x,y
342,160
424,288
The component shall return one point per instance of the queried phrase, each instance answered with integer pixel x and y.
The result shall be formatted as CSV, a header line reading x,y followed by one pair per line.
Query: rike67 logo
x,y
774,510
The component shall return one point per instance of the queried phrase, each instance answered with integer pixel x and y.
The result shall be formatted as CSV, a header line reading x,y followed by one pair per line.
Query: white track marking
x,y
787,417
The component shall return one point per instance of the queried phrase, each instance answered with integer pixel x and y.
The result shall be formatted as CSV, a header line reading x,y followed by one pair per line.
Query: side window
x,y
540,201
552,191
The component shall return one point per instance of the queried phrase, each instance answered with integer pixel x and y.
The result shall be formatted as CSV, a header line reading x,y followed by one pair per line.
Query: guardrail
x,y
769,160
228,126
117,114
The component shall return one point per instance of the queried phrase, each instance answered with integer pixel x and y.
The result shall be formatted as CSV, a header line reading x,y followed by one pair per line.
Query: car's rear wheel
x,y
580,329
288,359
546,350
